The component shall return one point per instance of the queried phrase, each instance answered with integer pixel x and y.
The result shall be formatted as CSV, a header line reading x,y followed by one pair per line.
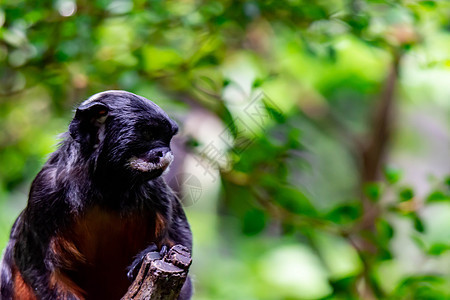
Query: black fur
x,y
92,168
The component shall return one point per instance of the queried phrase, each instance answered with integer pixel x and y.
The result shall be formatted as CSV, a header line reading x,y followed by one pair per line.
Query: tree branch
x,y
161,278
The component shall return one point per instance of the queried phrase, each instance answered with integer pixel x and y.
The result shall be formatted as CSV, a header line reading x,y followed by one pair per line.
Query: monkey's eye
x,y
147,134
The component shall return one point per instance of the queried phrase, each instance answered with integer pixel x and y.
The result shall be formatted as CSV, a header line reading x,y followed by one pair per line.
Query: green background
x,y
313,155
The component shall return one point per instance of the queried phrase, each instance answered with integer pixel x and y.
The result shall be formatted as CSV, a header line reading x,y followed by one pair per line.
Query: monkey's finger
x,y
163,251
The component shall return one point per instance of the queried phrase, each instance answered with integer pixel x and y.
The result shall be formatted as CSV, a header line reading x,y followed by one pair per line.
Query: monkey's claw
x,y
133,269
132,272
163,251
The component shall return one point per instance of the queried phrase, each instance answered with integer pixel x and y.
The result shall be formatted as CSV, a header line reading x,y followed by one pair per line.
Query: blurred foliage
x,y
295,117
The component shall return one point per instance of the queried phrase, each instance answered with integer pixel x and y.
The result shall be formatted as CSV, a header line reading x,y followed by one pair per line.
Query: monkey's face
x,y
127,135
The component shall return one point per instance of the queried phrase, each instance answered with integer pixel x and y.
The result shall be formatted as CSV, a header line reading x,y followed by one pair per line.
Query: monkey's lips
x,y
144,165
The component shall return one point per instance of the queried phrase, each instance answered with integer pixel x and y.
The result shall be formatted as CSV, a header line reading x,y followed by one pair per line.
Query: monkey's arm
x,y
176,231
7,265
22,276
33,257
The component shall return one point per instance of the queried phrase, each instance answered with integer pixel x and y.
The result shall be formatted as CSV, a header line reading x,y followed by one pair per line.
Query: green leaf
x,y
429,4
421,287
373,191
392,174
438,248
384,230
254,221
419,241
406,194
418,224
156,59
295,201
345,213
437,196
258,82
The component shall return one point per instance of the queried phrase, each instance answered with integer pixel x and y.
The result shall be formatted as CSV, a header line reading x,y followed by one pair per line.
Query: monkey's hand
x,y
133,269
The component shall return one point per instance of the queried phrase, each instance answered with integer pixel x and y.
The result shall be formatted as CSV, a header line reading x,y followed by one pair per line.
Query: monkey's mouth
x,y
145,165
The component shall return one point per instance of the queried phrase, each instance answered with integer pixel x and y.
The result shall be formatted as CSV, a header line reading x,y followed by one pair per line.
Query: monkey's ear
x,y
95,112
88,119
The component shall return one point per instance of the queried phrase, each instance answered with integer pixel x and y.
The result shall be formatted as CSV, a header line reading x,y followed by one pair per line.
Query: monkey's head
x,y
125,134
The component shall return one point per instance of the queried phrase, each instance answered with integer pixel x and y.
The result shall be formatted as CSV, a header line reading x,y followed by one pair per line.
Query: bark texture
x,y
161,277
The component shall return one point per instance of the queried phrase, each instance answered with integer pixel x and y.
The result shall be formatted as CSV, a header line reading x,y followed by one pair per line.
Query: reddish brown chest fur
x,y
94,254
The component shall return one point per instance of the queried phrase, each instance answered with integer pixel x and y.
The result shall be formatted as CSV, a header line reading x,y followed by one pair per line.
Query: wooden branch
x,y
161,278
373,154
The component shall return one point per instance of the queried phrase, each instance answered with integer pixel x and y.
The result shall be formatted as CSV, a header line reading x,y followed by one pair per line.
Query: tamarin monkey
x,y
98,206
